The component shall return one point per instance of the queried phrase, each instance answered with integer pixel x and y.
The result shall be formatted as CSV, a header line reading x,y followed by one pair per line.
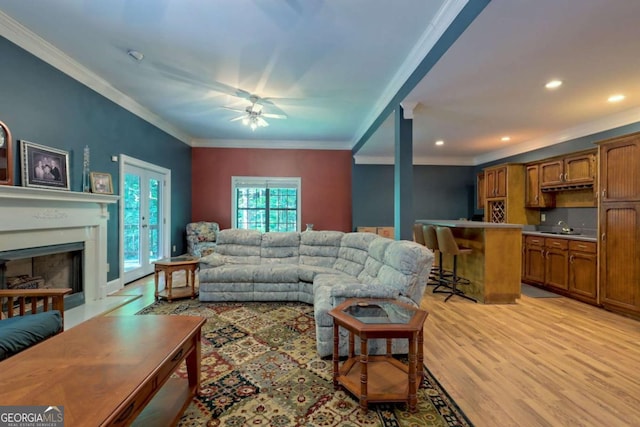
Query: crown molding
x,y
417,161
42,49
600,125
272,144
442,20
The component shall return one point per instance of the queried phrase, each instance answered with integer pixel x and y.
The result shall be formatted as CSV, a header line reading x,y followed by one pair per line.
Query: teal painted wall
x,y
43,105
439,192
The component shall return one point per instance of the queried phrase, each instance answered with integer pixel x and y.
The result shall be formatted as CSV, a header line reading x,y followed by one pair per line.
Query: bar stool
x,y
439,275
448,245
419,237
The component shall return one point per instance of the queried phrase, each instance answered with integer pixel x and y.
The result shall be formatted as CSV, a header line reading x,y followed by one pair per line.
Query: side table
x,y
168,266
379,378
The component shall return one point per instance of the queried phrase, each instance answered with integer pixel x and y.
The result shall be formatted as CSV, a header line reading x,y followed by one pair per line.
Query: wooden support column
x,y
403,174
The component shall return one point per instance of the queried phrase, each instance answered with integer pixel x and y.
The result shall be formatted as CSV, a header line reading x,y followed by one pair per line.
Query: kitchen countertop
x,y
583,237
466,224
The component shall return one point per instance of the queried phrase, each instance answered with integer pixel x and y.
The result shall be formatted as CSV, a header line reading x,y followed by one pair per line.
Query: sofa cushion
x,y
239,243
354,250
405,268
20,332
320,247
374,262
307,273
276,273
280,247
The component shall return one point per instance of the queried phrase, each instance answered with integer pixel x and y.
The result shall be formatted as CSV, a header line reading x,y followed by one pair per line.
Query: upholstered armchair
x,y
29,316
201,237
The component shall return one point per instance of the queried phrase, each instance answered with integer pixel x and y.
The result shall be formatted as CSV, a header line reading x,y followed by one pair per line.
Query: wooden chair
x,y
13,302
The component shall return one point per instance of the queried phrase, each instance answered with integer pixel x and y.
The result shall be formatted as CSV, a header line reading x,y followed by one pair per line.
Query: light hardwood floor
x,y
540,362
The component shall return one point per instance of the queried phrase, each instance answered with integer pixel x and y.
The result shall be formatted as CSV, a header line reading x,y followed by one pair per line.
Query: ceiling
x,y
333,68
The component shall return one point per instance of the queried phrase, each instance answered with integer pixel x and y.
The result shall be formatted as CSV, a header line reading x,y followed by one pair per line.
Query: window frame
x,y
265,182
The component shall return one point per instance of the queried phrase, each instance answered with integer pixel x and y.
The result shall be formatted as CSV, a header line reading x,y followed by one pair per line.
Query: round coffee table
x,y
168,266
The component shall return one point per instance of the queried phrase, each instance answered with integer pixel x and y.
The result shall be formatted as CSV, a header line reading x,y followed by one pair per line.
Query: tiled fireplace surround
x,y
32,217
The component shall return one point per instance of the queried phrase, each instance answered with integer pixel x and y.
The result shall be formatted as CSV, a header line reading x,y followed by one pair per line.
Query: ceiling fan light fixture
x,y
553,84
439,142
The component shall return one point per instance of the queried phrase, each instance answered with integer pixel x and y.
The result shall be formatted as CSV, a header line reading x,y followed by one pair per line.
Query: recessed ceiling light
x,y
616,98
553,84
505,138
439,142
138,56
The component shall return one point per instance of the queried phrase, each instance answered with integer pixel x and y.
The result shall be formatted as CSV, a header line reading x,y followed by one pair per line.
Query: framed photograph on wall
x,y
44,167
101,183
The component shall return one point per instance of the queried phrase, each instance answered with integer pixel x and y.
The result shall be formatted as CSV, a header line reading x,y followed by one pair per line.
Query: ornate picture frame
x,y
44,167
101,183
6,156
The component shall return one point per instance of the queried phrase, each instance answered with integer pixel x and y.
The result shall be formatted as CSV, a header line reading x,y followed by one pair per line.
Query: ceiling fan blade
x,y
189,78
234,109
237,118
262,122
274,116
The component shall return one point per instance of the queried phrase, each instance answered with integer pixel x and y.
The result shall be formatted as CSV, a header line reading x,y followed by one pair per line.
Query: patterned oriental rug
x,y
260,368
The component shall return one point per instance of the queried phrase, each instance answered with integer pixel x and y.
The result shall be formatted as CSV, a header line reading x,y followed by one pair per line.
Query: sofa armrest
x,y
13,301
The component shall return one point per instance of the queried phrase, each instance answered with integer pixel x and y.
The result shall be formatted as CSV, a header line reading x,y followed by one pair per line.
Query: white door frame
x,y
166,206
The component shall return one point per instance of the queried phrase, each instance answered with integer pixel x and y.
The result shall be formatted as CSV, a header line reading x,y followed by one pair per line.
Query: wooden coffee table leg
x,y
156,277
168,278
193,365
420,366
364,361
412,398
336,355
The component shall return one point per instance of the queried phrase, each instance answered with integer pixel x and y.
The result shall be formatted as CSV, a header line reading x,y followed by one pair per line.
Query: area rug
x,y
260,368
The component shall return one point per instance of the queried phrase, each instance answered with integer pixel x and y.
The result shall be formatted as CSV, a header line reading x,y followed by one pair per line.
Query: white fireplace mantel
x,y
31,217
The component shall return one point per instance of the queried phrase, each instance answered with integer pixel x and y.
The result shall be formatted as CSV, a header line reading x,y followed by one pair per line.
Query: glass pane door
x,y
143,221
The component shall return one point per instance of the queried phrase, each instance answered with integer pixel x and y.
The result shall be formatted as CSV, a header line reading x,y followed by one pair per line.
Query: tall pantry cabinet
x,y
619,223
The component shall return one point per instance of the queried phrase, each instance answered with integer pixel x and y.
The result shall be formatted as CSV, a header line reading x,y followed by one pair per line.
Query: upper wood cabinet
x,y
573,170
504,195
480,191
620,170
496,182
533,195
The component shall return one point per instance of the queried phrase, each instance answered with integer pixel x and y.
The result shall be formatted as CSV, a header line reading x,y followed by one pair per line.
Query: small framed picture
x,y
101,183
44,167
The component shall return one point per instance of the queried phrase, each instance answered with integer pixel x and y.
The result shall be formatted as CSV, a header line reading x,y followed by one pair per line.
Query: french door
x,y
144,216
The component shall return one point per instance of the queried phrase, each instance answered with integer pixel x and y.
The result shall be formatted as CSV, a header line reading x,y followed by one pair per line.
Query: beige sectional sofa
x,y
322,268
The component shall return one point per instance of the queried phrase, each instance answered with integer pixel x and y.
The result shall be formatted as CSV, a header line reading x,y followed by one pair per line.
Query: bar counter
x,y
494,267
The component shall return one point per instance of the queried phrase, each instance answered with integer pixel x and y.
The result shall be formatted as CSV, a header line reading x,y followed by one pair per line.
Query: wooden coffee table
x,y
379,378
169,266
110,371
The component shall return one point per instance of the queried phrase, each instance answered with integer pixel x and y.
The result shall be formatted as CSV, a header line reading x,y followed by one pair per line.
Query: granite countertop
x,y
583,237
466,224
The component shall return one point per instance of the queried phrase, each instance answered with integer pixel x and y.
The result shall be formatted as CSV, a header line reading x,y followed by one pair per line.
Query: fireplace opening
x,y
53,266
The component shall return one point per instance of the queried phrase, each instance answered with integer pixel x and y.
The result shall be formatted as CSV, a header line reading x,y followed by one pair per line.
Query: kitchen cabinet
x,y
576,170
480,191
533,196
556,272
566,266
619,227
496,182
583,270
504,195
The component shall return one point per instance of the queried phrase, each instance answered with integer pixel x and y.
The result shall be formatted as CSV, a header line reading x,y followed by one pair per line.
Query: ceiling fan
x,y
253,116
